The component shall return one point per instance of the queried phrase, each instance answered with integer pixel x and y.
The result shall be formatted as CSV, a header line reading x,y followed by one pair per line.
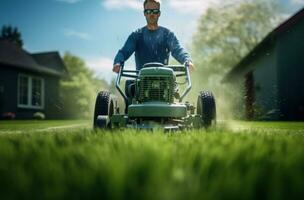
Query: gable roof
x,y
14,56
269,39
51,60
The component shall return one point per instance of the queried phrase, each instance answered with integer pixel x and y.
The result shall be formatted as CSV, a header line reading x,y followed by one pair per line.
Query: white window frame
x,y
29,92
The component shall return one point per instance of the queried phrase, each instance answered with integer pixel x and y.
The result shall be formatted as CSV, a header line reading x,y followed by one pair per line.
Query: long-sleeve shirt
x,y
152,46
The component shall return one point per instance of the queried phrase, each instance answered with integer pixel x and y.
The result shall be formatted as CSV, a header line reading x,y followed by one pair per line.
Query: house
x,y
272,74
29,83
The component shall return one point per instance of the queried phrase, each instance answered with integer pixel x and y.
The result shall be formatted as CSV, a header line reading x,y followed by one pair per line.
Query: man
x,y
152,43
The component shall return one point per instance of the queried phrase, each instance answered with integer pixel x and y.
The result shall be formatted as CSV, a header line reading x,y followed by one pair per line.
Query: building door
x,y
249,95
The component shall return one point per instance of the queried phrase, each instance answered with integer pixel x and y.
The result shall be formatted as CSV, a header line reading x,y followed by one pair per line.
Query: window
x,y
36,92
30,92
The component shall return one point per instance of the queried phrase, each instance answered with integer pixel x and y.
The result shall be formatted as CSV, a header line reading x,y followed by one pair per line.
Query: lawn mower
x,y
152,100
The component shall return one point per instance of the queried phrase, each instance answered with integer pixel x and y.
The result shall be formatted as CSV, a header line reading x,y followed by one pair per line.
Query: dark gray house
x,y
29,83
272,74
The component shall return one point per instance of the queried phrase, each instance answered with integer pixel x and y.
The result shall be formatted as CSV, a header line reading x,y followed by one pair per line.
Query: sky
x,y
96,29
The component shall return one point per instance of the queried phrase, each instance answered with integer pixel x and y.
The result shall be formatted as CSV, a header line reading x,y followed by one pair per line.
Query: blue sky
x,y
96,29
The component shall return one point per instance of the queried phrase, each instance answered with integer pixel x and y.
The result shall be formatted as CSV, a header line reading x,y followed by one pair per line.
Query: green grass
x,y
238,160
37,125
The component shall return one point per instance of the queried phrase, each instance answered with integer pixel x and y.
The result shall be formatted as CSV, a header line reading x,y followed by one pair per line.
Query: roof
x,y
270,38
14,56
51,60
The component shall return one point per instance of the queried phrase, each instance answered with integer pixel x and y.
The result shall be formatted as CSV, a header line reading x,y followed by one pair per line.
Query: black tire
x,y
206,108
104,106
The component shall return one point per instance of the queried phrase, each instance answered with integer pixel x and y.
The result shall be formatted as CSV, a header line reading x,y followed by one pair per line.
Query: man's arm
x,y
125,53
177,51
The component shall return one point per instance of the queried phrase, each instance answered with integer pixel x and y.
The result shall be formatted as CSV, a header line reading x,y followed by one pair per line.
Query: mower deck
x,y
157,109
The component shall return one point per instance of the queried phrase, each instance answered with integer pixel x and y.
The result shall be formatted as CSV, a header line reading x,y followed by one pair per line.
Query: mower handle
x,y
125,73
183,68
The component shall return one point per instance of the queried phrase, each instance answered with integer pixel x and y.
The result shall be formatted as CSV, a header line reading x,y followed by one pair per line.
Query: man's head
x,y
152,11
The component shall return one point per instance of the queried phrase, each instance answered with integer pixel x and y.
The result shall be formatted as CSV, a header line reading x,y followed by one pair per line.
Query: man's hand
x,y
191,66
116,68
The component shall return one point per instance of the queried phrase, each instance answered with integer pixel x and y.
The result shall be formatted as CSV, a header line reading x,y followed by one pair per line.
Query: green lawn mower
x,y
153,101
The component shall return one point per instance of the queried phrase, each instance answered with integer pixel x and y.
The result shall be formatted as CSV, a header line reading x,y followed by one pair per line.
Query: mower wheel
x,y
104,107
206,108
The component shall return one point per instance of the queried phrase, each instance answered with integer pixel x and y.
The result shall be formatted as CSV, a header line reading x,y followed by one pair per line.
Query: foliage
x,y
262,162
38,115
11,34
79,90
225,35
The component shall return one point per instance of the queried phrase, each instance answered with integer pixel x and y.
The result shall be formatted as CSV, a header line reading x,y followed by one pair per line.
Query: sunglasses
x,y
151,11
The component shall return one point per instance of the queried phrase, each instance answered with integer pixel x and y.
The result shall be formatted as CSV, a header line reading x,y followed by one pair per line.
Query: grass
x,y
238,160
38,125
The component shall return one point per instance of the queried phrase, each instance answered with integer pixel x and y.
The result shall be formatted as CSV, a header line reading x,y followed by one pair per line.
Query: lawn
x,y
237,160
40,125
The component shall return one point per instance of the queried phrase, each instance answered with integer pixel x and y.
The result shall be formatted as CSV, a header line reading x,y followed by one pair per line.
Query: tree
x,y
225,35
11,34
79,90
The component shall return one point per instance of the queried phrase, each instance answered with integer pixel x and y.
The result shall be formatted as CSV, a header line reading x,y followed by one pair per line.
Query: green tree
x,y
79,90
224,36
11,34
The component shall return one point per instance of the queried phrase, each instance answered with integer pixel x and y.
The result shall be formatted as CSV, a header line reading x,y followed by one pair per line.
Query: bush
x,y
39,115
8,115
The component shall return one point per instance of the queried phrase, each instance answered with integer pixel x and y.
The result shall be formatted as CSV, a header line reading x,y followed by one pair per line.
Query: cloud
x,y
122,4
182,6
297,2
76,34
69,1
102,66
192,6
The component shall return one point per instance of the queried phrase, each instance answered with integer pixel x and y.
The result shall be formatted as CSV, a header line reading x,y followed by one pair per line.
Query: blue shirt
x,y
152,46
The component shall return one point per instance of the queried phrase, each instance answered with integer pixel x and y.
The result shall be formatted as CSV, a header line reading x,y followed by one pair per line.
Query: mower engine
x,y
156,85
